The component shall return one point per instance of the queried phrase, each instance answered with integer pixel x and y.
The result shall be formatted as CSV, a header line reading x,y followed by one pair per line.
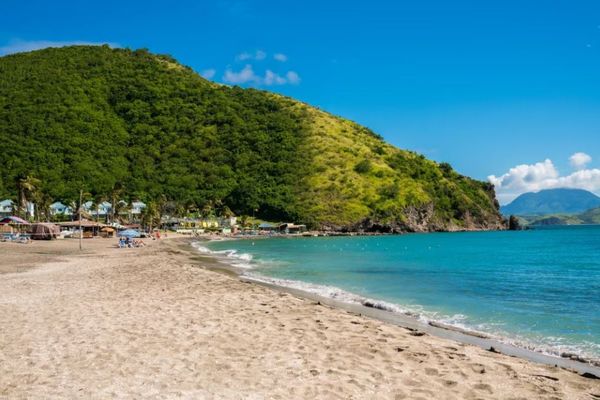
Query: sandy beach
x,y
160,322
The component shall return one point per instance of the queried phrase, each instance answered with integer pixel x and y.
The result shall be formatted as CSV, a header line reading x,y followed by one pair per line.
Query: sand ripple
x,y
151,323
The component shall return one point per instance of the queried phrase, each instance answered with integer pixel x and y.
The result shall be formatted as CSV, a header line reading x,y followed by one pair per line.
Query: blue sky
x,y
486,86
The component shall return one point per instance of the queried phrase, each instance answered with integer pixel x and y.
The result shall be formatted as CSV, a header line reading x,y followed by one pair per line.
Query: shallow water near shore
x,y
538,289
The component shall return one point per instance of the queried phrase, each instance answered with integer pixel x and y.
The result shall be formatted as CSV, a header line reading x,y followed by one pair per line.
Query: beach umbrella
x,y
129,233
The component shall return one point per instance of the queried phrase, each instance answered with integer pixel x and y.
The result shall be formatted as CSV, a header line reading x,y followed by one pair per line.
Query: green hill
x,y
143,126
589,217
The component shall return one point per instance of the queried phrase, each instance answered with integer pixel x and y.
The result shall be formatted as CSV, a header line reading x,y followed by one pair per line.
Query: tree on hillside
x,y
131,124
226,212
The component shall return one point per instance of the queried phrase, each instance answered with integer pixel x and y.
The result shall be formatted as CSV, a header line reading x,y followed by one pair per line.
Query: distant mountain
x,y
552,201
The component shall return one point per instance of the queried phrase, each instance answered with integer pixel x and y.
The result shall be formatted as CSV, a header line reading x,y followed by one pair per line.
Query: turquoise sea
x,y
539,289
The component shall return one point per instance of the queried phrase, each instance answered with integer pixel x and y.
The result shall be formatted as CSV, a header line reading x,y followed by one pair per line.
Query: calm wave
x,y
539,289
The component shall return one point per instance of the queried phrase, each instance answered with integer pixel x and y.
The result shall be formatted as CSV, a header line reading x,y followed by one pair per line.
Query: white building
x,y
137,207
6,207
100,210
57,208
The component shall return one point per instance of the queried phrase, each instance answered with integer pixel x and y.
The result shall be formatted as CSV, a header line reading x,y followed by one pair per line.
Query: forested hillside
x,y
116,122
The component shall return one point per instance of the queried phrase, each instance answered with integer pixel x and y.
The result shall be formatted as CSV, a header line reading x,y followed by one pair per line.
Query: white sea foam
x,y
336,293
554,346
229,256
549,346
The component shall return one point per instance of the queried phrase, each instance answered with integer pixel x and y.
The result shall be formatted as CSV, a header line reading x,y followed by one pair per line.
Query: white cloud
x,y
292,77
270,78
258,55
542,175
280,57
243,56
208,73
19,46
246,75
579,160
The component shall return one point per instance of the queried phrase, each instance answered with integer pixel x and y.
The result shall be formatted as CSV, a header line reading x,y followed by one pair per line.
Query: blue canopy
x,y
130,233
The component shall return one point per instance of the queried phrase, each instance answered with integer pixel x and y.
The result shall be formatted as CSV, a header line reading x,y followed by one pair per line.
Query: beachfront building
x,y
101,210
292,228
89,228
44,231
230,222
11,225
200,225
58,208
137,207
133,211
6,207
267,227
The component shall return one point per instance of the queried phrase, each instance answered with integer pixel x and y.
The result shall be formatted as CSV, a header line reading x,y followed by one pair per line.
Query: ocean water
x,y
539,289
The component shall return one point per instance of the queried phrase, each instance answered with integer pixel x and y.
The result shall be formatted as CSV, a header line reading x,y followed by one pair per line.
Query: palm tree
x,y
207,209
151,215
73,205
115,195
120,207
27,190
42,206
97,202
226,212
162,205
77,206
180,210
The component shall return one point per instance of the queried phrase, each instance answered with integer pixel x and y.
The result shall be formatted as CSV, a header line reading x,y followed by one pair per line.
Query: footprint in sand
x,y
478,368
484,387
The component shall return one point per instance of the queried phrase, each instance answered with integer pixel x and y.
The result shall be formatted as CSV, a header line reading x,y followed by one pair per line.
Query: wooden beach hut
x,y
266,227
107,232
89,228
292,228
16,223
44,231
13,227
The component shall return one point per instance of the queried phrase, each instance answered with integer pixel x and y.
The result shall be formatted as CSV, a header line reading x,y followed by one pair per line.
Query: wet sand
x,y
157,322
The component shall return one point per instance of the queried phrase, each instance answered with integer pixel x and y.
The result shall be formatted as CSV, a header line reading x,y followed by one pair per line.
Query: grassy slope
x,y
395,187
589,217
165,127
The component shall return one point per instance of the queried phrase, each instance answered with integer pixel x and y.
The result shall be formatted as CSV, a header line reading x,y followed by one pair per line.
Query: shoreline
x,y
483,340
439,330
165,321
